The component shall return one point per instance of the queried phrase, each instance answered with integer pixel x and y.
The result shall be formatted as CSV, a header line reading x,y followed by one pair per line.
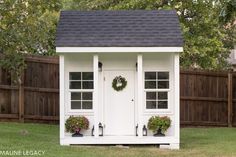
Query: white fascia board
x,y
116,49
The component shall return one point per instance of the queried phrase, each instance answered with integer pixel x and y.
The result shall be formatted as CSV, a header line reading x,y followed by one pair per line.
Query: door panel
x,y
119,105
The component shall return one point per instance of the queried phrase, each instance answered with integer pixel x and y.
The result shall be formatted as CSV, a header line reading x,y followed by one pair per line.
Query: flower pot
x,y
77,133
159,133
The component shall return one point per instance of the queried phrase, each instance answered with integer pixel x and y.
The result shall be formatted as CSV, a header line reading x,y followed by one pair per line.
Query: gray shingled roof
x,y
132,28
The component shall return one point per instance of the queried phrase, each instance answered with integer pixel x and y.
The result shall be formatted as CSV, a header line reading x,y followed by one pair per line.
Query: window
x,y
156,100
81,90
156,90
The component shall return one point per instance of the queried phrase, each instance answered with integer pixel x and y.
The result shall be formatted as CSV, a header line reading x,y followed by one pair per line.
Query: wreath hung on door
x,y
119,83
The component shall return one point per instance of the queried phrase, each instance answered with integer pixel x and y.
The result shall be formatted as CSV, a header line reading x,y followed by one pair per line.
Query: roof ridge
x,y
163,11
118,10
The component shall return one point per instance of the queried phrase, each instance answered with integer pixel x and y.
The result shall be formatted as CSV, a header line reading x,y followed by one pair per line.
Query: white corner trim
x,y
95,95
176,96
62,96
116,49
140,94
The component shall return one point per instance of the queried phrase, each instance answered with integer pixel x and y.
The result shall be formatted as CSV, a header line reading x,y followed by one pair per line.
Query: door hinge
x,y
104,78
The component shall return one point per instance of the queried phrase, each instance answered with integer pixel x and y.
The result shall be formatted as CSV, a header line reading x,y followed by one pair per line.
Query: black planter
x,y
77,134
159,133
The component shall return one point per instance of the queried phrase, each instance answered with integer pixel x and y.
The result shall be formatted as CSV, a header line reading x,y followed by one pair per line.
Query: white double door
x,y
119,106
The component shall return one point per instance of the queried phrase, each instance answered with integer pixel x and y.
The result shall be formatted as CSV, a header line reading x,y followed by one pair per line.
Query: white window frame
x,y
80,90
168,90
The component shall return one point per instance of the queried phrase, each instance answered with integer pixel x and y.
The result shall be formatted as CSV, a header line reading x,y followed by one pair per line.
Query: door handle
x,y
132,100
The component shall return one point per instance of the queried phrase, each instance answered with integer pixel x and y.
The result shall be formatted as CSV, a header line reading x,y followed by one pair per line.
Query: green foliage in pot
x,y
76,123
156,122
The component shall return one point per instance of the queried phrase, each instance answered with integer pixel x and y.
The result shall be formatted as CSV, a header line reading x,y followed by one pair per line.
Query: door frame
x,y
135,108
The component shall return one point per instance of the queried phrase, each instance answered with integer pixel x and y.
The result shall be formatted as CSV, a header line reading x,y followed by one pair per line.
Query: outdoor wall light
x,y
100,66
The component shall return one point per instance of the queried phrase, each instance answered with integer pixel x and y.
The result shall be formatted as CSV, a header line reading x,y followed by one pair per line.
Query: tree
x,y
228,21
207,42
204,37
228,11
26,27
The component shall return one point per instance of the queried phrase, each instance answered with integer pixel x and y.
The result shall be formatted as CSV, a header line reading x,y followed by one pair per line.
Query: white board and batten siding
x,y
135,113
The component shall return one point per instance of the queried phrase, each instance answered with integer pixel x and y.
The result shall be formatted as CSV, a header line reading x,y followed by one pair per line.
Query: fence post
x,y
230,98
21,99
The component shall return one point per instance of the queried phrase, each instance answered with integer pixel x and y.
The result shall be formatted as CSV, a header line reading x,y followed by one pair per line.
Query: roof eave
x,y
117,49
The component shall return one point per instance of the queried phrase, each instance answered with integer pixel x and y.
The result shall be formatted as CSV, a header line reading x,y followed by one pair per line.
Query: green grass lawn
x,y
195,142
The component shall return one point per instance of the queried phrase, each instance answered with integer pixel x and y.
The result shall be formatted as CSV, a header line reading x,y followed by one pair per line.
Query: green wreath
x,y
119,83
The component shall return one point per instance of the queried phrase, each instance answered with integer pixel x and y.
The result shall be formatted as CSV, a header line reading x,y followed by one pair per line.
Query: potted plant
x,y
75,124
159,125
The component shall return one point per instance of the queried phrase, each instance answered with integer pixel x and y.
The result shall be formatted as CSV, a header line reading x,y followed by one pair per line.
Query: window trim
x,y
168,90
156,110
157,79
79,110
89,111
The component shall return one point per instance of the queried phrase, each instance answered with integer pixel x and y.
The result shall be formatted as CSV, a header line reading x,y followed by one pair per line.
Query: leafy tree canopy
x,y
207,40
26,26
228,11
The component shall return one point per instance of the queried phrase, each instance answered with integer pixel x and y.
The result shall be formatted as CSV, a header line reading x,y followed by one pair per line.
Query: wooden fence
x,y
207,98
37,97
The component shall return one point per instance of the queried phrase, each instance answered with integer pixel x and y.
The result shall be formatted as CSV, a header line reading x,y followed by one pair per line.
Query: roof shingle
x,y
132,28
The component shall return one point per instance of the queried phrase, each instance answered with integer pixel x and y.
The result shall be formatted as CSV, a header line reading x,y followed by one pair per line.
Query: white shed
x,y
118,69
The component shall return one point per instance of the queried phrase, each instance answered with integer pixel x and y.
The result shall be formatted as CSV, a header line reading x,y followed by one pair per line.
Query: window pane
x,y
87,75
150,75
75,85
163,75
163,84
150,84
151,104
75,104
162,95
75,75
151,95
76,96
87,105
162,105
87,96
87,84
